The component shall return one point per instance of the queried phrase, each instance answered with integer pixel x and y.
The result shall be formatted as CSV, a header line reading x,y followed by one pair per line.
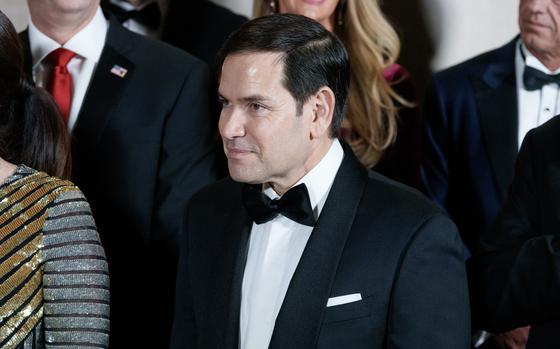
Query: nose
x,y
231,124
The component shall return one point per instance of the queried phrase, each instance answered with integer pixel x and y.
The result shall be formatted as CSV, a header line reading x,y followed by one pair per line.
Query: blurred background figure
x,y
54,278
477,113
382,123
516,272
196,26
142,144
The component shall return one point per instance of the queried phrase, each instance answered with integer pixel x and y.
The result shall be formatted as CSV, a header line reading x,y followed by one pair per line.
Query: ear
x,y
323,111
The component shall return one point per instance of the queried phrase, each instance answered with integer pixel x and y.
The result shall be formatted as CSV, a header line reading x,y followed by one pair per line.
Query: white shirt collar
x,y
87,43
320,179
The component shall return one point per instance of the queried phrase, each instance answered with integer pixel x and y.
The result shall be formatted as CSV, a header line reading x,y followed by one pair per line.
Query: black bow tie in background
x,y
294,204
534,79
149,15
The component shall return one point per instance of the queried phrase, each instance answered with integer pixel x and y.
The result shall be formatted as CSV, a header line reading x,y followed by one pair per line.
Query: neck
x,y
328,23
6,169
61,27
550,61
282,185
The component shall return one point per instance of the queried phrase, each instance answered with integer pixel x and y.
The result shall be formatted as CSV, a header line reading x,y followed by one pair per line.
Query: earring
x,y
272,7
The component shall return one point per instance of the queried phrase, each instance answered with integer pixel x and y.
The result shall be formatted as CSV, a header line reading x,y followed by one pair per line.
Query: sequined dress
x,y
54,283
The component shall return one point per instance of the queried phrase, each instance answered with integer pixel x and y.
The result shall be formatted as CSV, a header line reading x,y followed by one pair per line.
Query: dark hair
x,y
312,56
32,131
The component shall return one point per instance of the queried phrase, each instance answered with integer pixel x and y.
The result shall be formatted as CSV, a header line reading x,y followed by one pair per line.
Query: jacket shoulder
x,y
145,50
503,55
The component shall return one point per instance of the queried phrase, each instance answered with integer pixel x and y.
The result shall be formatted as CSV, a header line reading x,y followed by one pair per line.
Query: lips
x,y
314,2
237,153
533,24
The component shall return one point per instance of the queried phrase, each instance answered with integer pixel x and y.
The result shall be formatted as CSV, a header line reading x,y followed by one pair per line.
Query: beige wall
x,y
461,29
16,10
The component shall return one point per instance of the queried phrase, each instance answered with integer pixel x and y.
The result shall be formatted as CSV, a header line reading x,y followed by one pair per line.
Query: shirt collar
x,y
87,43
320,179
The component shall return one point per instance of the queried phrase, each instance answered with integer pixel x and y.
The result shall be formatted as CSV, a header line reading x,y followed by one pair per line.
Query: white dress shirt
x,y
138,27
534,107
88,44
275,248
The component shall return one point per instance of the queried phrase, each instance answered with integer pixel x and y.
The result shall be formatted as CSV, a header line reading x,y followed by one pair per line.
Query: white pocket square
x,y
349,298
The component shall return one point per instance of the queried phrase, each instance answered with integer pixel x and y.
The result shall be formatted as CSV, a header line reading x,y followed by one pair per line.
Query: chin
x,y
242,175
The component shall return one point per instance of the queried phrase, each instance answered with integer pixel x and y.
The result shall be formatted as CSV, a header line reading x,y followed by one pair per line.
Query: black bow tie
x,y
149,15
534,79
294,204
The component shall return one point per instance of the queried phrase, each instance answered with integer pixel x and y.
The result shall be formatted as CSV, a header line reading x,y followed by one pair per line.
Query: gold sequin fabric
x,y
37,265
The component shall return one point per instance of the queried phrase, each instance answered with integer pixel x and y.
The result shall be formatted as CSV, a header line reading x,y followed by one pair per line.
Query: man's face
x,y
264,138
539,22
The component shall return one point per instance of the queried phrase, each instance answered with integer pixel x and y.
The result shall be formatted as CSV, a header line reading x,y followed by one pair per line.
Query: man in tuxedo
x,y
517,272
303,247
477,113
137,113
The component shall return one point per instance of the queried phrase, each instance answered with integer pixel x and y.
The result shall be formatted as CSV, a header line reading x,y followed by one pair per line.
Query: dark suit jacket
x,y
516,276
470,139
199,27
141,147
374,236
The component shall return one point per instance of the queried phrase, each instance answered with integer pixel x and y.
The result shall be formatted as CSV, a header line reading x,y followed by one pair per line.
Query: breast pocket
x,y
348,311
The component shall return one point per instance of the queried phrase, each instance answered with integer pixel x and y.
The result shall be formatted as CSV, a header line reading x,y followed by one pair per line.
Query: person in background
x,y
198,27
382,123
476,115
137,110
516,272
54,281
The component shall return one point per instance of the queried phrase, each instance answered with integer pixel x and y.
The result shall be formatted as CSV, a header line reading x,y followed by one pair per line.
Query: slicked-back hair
x,y
312,57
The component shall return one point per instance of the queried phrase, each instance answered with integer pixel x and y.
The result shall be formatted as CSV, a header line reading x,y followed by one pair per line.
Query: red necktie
x,y
60,81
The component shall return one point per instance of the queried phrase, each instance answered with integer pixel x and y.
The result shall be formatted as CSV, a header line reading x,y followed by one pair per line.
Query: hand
x,y
514,339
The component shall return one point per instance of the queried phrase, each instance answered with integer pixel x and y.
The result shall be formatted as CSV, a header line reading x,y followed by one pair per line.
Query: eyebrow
x,y
249,99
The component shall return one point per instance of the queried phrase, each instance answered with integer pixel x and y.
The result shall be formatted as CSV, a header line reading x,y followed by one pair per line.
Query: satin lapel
x,y
497,105
299,321
228,281
105,88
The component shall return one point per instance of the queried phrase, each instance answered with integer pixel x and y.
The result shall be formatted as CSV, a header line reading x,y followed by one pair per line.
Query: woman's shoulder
x,y
26,180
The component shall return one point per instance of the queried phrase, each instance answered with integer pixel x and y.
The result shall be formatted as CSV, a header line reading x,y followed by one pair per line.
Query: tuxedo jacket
x,y
516,275
140,148
470,139
374,237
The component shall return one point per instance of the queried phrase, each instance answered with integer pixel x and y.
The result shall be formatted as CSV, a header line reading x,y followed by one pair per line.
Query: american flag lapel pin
x,y
119,71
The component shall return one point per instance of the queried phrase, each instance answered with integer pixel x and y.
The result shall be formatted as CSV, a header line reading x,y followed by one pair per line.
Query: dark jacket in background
x,y
470,139
515,279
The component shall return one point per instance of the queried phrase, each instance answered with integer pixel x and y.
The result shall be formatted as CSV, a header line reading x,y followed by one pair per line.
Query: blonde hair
x,y
373,45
